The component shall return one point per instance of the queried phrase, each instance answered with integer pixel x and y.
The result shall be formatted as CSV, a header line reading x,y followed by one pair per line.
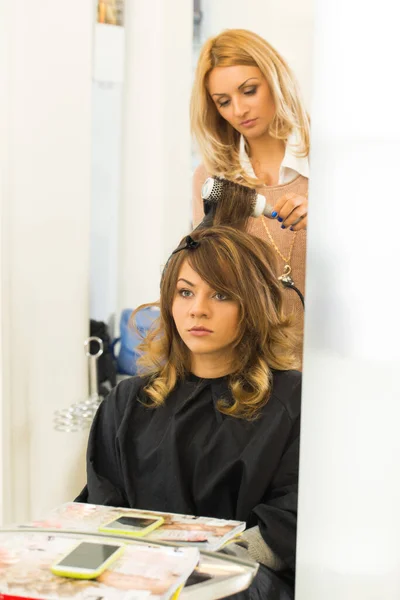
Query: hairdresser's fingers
x,y
295,216
289,203
281,203
302,224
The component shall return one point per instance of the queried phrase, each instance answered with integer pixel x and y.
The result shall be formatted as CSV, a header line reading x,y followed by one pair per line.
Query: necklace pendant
x,y
285,277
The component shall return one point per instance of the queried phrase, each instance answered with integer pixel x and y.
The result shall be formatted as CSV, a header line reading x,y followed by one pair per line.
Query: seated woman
x,y
212,426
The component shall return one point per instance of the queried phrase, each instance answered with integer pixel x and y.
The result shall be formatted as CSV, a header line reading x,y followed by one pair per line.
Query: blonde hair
x,y
243,267
218,141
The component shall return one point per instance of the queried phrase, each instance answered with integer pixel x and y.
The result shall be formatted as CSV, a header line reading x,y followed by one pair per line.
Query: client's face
x,y
206,320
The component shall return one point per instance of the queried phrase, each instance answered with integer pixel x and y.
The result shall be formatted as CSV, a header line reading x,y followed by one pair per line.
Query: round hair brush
x,y
214,188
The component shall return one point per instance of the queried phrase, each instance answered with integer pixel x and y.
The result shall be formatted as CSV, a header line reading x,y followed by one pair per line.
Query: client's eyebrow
x,y
240,86
186,281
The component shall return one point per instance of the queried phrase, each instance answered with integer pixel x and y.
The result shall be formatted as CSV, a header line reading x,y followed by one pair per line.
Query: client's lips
x,y
200,331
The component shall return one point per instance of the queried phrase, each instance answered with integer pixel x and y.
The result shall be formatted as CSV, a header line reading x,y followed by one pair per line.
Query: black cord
x,y
288,284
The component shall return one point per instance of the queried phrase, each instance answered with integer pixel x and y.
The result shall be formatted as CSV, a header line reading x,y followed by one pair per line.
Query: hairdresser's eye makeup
x,y
249,91
249,87
223,103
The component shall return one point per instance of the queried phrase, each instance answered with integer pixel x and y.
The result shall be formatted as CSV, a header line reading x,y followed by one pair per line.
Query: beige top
x,y
282,237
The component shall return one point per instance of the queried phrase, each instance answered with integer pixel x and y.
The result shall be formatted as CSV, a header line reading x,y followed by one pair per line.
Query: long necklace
x,y
287,269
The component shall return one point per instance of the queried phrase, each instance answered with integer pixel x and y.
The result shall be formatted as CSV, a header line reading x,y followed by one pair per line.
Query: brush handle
x,y
261,207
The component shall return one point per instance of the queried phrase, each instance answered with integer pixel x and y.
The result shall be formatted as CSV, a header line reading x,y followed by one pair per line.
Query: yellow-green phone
x,y
87,560
135,525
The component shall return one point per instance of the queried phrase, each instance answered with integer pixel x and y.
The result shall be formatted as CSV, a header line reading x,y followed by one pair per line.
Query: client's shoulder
x,y
131,385
286,390
125,394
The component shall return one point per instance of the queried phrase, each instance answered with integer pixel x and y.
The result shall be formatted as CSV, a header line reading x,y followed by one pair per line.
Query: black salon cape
x,y
187,457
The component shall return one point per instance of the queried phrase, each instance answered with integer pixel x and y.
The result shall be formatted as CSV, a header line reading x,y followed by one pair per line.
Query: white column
x,y
349,516
286,24
4,168
156,198
45,196
108,72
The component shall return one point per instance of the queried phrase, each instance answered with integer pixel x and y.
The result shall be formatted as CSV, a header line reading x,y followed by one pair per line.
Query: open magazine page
x,y
206,533
214,570
216,577
142,572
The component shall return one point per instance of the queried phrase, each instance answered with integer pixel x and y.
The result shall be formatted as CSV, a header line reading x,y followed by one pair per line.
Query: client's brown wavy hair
x,y
242,266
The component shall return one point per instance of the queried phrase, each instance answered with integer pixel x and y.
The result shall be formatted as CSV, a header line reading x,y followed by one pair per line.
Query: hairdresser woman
x,y
251,126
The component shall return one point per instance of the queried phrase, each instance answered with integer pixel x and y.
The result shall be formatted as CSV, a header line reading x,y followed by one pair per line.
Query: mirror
x,y
96,180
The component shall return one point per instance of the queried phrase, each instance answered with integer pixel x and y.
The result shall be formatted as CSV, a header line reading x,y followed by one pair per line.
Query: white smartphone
x,y
87,560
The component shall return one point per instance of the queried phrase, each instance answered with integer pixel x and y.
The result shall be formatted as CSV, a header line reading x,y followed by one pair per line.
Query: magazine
x,y
183,530
217,576
143,571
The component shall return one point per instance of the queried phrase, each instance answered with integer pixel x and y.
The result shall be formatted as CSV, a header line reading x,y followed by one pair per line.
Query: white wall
x,y
108,73
106,190
141,195
349,519
45,196
4,285
156,170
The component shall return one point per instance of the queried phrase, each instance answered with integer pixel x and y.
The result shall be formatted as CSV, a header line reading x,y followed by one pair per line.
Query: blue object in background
x,y
131,337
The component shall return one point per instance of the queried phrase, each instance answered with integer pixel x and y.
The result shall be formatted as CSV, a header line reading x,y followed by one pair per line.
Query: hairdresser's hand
x,y
291,211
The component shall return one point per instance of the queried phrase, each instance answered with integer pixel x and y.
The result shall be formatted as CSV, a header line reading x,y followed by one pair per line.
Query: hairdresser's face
x,y
243,98
206,320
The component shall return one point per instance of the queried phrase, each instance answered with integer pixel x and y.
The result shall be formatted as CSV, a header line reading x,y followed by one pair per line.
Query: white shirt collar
x,y
292,165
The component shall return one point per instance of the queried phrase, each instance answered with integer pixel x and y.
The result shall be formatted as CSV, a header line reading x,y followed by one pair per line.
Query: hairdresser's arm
x,y
199,177
292,209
